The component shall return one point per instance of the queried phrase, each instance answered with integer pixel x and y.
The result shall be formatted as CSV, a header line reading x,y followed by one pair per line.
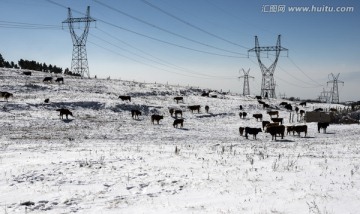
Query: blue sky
x,y
136,46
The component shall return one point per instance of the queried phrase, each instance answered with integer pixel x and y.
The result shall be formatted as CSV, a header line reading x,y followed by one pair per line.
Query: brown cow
x,y
177,122
301,128
290,129
64,111
258,116
156,117
275,130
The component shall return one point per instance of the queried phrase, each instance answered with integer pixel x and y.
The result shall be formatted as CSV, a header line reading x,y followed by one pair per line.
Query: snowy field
x,y
103,161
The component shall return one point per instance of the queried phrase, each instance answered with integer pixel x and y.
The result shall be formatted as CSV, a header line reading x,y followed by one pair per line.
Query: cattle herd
x,y
274,128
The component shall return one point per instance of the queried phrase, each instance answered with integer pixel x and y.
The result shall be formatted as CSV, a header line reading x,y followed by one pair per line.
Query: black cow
x,y
178,112
207,109
123,98
277,120
177,122
241,107
258,97
283,103
205,94
194,108
156,117
241,130
264,123
177,99
252,131
47,100
47,79
27,73
319,109
60,79
258,116
299,129
64,111
303,104
322,125
135,114
275,130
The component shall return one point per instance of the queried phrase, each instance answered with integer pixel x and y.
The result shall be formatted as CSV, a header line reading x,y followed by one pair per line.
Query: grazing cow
x,y
322,125
261,102
265,105
258,97
6,95
240,114
194,108
177,99
299,129
64,111
47,79
241,130
278,120
123,98
47,100
303,104
27,73
258,116
283,103
178,112
241,107
264,123
207,109
290,129
271,113
171,111
60,79
205,94
319,109
135,114
275,130
213,96
177,122
156,117
253,131
289,107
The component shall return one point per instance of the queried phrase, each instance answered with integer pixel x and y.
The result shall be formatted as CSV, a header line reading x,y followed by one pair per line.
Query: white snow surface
x,y
103,161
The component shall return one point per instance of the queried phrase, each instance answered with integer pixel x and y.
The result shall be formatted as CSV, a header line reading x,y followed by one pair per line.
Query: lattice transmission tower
x,y
268,83
246,88
79,63
335,89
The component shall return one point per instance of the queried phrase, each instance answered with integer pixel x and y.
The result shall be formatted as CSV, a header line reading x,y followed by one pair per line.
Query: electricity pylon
x,y
79,63
335,89
267,83
246,88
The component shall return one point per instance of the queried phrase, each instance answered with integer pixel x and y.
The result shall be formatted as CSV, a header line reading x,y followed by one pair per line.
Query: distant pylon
x,y
246,88
79,63
335,89
268,83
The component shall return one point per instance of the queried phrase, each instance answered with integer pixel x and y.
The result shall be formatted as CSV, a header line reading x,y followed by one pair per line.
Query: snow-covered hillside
x,y
103,161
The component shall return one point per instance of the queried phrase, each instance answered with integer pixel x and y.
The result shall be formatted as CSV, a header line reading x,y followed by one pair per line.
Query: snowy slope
x,y
103,161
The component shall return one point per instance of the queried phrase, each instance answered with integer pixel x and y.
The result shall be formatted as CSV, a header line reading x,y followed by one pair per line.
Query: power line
x,y
150,37
167,31
162,62
24,25
191,25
